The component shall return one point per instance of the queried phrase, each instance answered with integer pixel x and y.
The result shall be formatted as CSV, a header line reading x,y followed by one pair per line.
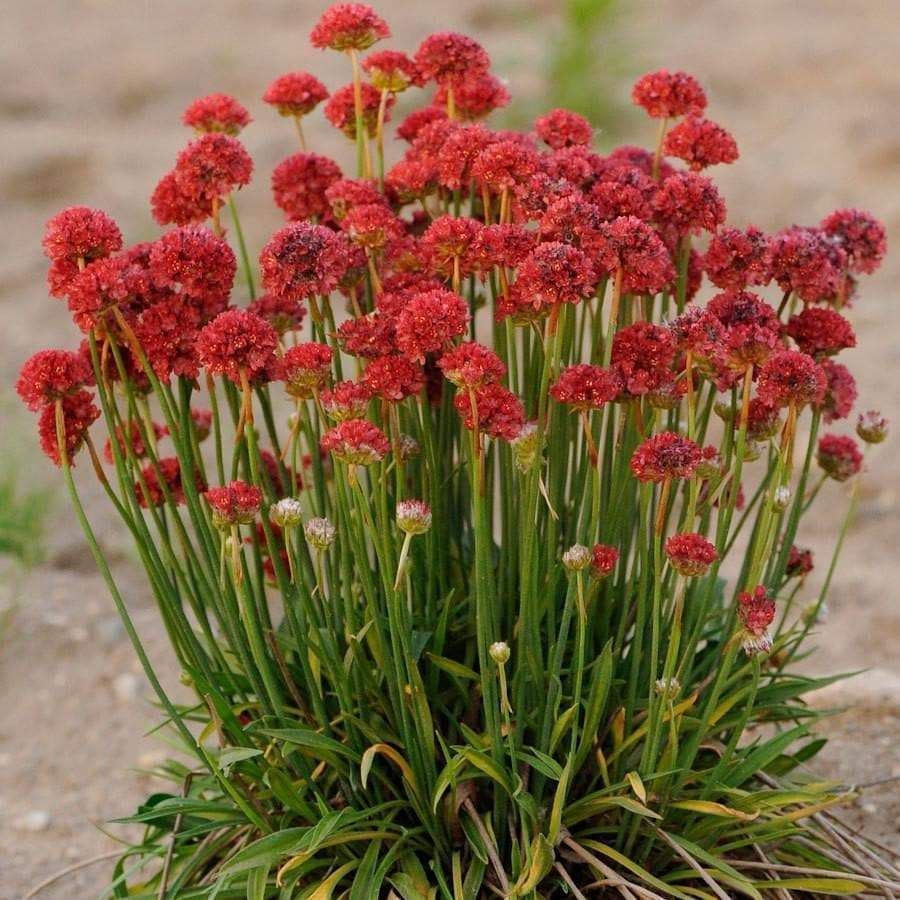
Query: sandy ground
x,y
90,94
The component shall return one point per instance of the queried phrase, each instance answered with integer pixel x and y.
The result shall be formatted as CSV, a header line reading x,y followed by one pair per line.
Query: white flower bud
x,y
286,513
413,516
320,533
781,498
577,557
499,652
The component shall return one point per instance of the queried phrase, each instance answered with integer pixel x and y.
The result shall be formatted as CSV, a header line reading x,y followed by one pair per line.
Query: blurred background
x,y
91,93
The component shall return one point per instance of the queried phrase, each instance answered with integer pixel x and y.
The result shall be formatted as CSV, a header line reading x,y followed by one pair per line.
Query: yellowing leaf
x,y
709,808
637,786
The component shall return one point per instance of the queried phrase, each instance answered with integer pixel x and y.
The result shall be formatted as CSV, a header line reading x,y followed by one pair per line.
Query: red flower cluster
x,y
295,93
391,71
642,358
237,343
299,185
348,26
471,366
603,560
394,378
689,203
633,246
666,455
51,375
340,109
356,442
820,331
346,400
305,369
791,378
429,322
563,128
237,503
809,263
738,259
491,410
79,235
303,259
78,413
861,237
839,456
840,391
690,554
216,112
667,95
700,143
447,57
756,610
585,387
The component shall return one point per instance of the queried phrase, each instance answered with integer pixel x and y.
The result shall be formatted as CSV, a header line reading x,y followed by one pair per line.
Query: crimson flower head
x,y
700,143
690,554
666,455
689,203
603,560
633,246
454,153
340,109
495,411
799,562
79,412
172,203
299,184
447,57
624,190
752,328
237,503
303,259
304,368
391,71
447,241
471,366
429,322
394,378
503,164
237,341
151,492
756,610
791,378
474,97
667,95
555,272
642,357
51,375
79,235
348,26
409,129
212,166
738,259
368,336
346,400
501,245
216,112
295,93
820,331
372,226
167,332
112,282
839,456
840,391
195,263
809,263
356,442
345,193
563,128
282,313
585,387
861,236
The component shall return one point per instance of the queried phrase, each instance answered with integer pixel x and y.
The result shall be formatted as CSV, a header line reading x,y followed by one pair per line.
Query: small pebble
x,y
36,820
125,687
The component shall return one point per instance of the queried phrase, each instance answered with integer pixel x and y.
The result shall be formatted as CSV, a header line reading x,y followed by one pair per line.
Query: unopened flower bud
x,y
408,447
186,679
525,447
724,411
499,652
320,533
711,464
781,498
577,557
413,516
293,421
286,513
751,451
667,687
872,427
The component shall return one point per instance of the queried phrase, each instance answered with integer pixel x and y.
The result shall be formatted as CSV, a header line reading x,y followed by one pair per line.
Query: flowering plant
x,y
445,571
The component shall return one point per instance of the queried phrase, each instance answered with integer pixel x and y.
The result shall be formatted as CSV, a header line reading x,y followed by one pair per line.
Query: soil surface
x,y
90,97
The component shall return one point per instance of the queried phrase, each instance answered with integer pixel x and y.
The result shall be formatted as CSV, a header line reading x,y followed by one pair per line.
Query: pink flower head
x,y
408,130
572,219
585,387
447,57
80,235
411,179
471,366
356,442
791,378
237,503
340,109
633,246
394,378
700,143
642,357
299,184
348,26
666,455
624,191
429,322
345,193
172,203
689,203
809,263
475,97
667,95
303,259
861,236
295,93
447,241
216,112
454,155
51,375
752,329
603,560
152,493
497,411
167,332
690,554
195,263
79,412
563,128
368,336
305,369
391,71
503,164
237,341
839,456
112,282
212,166
840,392
555,272
820,331
738,259
757,612
501,245
346,400
372,226
763,421
284,314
